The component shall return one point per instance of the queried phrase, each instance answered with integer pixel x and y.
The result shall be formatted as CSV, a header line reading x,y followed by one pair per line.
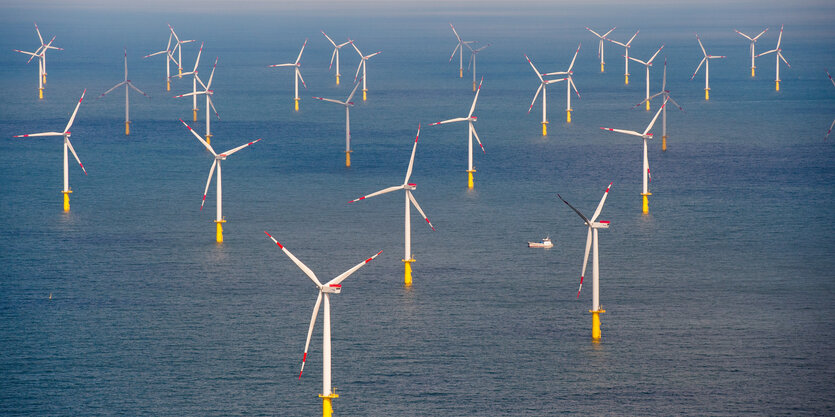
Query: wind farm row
x,y
173,56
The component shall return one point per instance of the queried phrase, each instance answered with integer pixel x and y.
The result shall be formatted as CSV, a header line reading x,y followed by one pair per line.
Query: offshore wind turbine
x,y
459,49
298,74
193,74
779,53
600,45
208,92
666,93
591,241
410,200
168,58
543,87
67,145
42,51
40,56
706,61
753,42
569,84
179,49
335,54
625,55
473,55
219,220
348,104
363,59
648,64
833,122
127,83
647,176
470,119
333,286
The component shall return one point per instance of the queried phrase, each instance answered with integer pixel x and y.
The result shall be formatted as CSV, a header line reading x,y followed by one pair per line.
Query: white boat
x,y
544,243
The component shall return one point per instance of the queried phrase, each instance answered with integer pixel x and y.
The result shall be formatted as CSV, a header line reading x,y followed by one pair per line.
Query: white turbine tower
x,y
179,48
753,42
591,241
348,104
666,93
219,220
193,74
625,55
127,83
647,176
298,74
333,286
40,56
168,58
470,119
363,59
543,87
833,122
779,53
600,45
648,64
459,49
473,56
706,61
208,92
335,54
410,199
569,79
67,145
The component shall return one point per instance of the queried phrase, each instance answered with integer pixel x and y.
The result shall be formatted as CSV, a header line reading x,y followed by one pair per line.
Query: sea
x,y
718,302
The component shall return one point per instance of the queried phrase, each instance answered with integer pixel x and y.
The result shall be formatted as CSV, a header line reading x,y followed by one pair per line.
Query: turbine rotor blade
x,y
307,271
310,330
208,181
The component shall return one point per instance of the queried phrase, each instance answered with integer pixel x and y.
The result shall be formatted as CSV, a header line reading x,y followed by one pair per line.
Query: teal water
x,y
719,302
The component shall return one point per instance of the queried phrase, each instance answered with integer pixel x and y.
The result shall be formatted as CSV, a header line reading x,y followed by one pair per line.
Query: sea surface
x,y
719,302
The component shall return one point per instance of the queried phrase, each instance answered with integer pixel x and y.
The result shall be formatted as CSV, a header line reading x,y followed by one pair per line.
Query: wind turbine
x,y
543,86
459,49
410,199
625,55
706,61
470,119
474,53
648,64
193,73
833,122
298,74
779,53
42,50
40,56
168,58
127,83
333,286
600,45
363,59
208,92
219,220
335,54
753,41
348,104
569,79
591,240
666,93
644,136
179,49
67,145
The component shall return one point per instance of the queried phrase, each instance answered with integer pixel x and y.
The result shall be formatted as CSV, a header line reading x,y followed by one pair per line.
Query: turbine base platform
x,y
544,128
407,273
602,64
664,143
645,202
67,199
348,159
568,116
209,139
297,103
219,230
752,71
460,73
596,335
626,79
40,94
777,85
647,103
194,114
337,79
127,128
364,94
707,94
474,87
44,78
470,183
168,85
327,406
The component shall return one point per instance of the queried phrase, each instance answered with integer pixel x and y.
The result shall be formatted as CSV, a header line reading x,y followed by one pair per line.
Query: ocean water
x,y
719,302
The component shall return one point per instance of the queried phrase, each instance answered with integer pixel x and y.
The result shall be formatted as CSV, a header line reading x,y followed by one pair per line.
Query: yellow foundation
x,y
364,94
194,114
777,85
595,324
327,407
44,78
647,105
601,66
219,230
297,103
127,128
470,178
473,86
752,71
337,79
407,273
348,158
626,79
707,94
460,73
40,94
645,204
209,139
180,72
67,200
544,128
664,143
568,116
168,85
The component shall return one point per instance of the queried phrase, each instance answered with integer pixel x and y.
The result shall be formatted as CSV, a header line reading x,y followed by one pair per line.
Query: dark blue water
x,y
719,302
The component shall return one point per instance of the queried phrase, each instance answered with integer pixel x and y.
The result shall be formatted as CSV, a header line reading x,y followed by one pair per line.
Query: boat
x,y
544,243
